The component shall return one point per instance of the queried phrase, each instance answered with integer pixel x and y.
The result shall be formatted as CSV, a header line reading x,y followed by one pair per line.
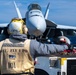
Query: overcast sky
x,y
61,11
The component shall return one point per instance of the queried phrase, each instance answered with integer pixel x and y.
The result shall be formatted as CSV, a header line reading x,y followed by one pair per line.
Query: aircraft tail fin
x,y
17,10
47,11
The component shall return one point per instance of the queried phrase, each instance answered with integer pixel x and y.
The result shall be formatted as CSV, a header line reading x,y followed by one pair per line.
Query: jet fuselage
x,y
35,20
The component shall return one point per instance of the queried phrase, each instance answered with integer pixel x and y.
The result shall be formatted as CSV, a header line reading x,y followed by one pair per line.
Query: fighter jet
x,y
36,22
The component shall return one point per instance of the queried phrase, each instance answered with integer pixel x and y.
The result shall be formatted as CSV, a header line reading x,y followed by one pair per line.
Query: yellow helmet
x,y
16,26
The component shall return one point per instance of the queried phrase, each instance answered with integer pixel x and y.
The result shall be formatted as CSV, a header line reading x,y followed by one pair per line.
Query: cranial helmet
x,y
64,39
16,26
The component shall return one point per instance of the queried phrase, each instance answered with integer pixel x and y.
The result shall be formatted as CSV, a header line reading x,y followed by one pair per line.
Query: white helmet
x,y
64,39
16,26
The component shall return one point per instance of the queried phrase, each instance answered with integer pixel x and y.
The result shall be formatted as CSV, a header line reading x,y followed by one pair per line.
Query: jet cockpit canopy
x,y
34,6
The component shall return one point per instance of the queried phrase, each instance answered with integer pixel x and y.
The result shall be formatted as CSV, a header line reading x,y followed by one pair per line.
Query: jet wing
x,y
51,24
3,25
66,27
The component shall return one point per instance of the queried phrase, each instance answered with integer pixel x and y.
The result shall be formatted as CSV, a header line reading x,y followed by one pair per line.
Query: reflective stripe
x,y
12,45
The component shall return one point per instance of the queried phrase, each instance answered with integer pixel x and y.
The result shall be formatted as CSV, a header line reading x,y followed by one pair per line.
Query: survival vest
x,y
15,57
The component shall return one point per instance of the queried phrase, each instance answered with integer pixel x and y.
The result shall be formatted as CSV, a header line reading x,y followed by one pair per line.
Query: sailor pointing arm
x,y
18,52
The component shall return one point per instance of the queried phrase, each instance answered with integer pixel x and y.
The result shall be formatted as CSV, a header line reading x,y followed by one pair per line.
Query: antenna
x,y
17,10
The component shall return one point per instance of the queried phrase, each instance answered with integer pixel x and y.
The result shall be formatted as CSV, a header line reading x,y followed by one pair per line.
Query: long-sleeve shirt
x,y
37,48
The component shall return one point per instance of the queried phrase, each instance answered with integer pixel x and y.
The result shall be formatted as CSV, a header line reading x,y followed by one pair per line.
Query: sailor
x,y
17,53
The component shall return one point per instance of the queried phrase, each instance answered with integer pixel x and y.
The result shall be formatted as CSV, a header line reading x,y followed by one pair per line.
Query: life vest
x,y
15,57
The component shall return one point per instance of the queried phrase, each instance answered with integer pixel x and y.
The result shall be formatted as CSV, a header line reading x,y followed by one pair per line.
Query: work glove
x,y
67,51
70,47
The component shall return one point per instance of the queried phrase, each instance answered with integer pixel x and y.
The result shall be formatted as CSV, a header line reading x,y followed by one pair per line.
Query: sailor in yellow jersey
x,y
17,53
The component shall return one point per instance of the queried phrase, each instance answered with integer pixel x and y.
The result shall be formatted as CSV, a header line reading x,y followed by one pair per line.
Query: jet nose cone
x,y
37,25
40,25
35,22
